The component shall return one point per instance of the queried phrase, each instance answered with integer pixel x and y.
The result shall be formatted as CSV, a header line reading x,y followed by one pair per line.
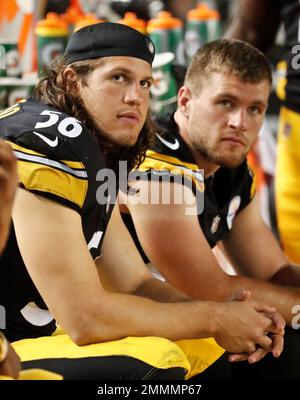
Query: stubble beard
x,y
214,156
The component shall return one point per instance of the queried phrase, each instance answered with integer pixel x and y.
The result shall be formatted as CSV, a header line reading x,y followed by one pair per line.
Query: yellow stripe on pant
x,y
192,355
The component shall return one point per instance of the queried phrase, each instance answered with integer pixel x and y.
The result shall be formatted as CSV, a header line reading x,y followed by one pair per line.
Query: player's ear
x,y
184,97
71,79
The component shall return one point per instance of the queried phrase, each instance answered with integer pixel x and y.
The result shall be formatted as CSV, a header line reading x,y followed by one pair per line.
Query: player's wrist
x,y
212,318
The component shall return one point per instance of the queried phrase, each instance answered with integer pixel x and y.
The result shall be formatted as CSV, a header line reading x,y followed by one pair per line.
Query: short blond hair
x,y
231,57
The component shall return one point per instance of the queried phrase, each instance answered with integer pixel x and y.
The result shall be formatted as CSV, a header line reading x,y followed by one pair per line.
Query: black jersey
x,y
290,15
58,158
226,193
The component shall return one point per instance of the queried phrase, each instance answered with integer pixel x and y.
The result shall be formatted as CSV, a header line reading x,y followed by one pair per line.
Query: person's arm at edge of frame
x,y
8,185
9,360
255,22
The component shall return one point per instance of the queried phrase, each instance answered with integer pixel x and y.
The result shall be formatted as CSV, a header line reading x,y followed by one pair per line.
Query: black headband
x,y
108,39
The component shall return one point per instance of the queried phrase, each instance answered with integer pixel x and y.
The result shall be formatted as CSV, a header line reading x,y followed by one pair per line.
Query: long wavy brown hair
x,y
54,89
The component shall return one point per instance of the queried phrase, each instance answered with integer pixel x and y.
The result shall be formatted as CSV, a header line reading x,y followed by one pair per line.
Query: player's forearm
x,y
255,22
157,290
238,30
284,299
228,287
122,315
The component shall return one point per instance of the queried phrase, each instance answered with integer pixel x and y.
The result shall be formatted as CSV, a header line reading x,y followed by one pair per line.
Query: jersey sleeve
x,y
49,164
157,166
63,181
